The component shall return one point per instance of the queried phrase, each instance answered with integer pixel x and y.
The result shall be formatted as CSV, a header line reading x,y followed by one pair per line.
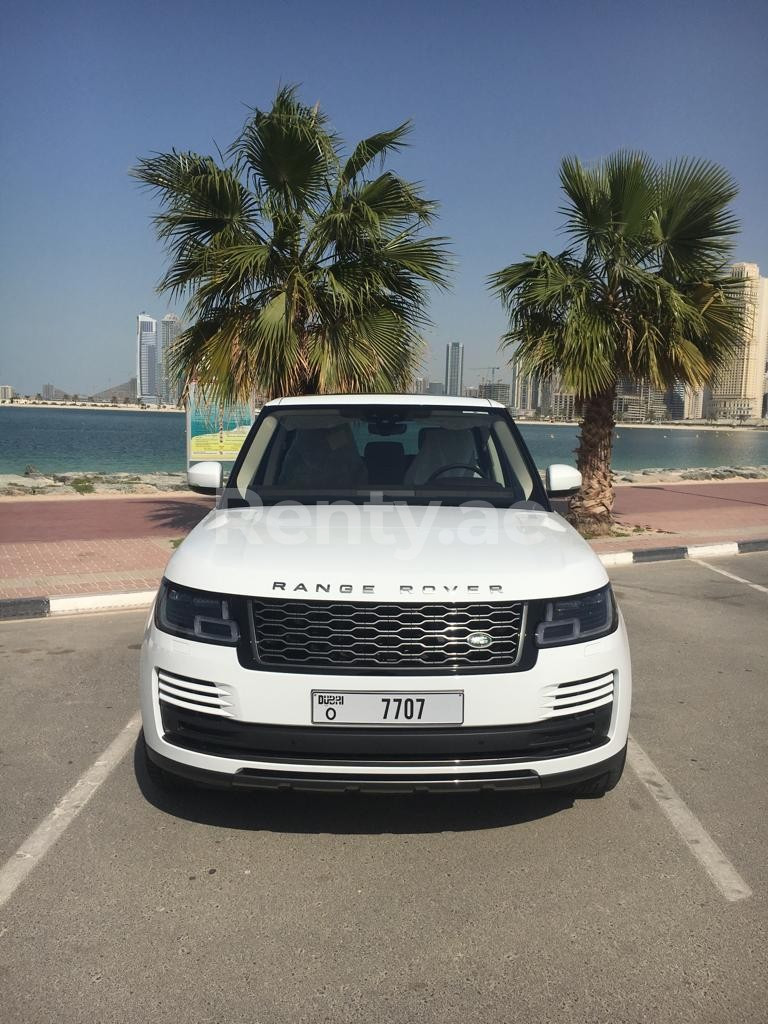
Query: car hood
x,y
387,552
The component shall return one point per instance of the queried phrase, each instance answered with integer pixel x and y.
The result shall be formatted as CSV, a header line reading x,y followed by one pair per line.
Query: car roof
x,y
438,400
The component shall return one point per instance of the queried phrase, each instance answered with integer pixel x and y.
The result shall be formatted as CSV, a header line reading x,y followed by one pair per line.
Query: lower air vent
x,y
193,695
453,746
582,695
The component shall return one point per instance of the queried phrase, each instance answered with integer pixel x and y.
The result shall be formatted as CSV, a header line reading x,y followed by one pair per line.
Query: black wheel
x,y
166,781
593,789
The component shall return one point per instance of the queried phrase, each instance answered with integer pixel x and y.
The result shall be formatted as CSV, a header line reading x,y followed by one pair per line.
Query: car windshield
x,y
358,453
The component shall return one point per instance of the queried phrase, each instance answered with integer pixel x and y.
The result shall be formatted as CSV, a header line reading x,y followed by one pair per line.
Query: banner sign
x,y
215,431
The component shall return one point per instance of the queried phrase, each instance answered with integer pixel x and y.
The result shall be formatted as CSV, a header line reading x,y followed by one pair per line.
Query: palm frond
x,y
300,273
375,146
695,225
289,151
641,291
424,258
200,201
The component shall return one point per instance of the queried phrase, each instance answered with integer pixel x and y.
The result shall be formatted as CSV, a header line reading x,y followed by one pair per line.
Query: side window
x,y
268,471
503,437
254,455
496,470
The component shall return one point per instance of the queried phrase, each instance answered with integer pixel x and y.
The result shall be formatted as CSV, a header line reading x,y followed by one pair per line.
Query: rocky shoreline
x,y
32,482
671,476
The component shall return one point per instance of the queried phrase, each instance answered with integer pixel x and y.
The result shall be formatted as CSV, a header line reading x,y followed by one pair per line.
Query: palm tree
x,y
641,293
304,271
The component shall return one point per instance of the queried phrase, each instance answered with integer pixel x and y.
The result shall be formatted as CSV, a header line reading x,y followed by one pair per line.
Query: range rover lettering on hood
x,y
370,588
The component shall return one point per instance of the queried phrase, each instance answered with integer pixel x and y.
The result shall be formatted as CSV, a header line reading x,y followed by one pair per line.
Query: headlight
x,y
195,614
571,620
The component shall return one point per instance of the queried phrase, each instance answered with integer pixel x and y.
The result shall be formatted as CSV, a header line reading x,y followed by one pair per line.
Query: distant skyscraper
x,y
526,396
738,390
556,400
683,402
674,400
167,388
563,405
49,392
637,401
146,357
496,390
420,386
454,368
544,396
693,405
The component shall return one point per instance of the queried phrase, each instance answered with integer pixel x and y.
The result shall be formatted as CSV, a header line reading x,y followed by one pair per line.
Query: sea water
x,y
112,441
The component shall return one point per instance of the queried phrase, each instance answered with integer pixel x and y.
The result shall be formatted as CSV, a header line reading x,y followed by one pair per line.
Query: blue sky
x,y
498,92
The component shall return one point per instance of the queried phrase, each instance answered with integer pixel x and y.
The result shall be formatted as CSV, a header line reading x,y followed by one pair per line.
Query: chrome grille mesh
x,y
384,636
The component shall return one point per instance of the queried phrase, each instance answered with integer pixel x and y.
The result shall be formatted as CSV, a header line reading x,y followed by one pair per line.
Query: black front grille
x,y
351,636
456,745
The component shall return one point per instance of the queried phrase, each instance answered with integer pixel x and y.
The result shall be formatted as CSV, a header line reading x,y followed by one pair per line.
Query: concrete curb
x,y
734,547
42,607
24,608
101,602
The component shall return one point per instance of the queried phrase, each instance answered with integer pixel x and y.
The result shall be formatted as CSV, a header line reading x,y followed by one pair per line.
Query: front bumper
x,y
487,752
405,782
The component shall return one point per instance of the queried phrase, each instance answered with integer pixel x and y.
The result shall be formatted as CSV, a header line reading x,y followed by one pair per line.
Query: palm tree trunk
x,y
591,508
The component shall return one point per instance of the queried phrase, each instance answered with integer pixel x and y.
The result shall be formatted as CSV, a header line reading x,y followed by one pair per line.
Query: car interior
x,y
330,451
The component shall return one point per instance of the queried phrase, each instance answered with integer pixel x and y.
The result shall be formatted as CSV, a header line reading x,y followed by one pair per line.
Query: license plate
x,y
383,707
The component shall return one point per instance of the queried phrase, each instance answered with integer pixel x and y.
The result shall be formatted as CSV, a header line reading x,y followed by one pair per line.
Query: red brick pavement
x,y
91,545
50,568
117,545
56,519
690,513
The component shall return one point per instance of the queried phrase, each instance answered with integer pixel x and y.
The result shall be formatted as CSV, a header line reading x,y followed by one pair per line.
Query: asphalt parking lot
x,y
648,905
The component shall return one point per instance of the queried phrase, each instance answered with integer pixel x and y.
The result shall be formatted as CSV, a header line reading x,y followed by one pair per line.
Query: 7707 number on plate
x,y
365,707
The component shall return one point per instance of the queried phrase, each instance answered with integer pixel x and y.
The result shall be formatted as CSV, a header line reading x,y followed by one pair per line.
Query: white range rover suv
x,y
384,600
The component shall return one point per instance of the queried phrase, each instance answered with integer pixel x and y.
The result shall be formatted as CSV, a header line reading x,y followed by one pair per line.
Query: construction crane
x,y
493,370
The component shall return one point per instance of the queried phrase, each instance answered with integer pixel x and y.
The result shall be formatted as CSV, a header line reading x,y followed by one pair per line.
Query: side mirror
x,y
205,476
562,480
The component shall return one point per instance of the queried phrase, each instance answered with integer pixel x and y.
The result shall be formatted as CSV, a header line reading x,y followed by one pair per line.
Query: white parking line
x,y
732,576
49,831
35,847
689,828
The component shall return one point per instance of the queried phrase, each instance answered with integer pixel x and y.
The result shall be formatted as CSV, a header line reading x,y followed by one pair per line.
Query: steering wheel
x,y
453,465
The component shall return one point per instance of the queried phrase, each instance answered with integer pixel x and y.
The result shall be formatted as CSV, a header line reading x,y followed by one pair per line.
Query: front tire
x,y
594,789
